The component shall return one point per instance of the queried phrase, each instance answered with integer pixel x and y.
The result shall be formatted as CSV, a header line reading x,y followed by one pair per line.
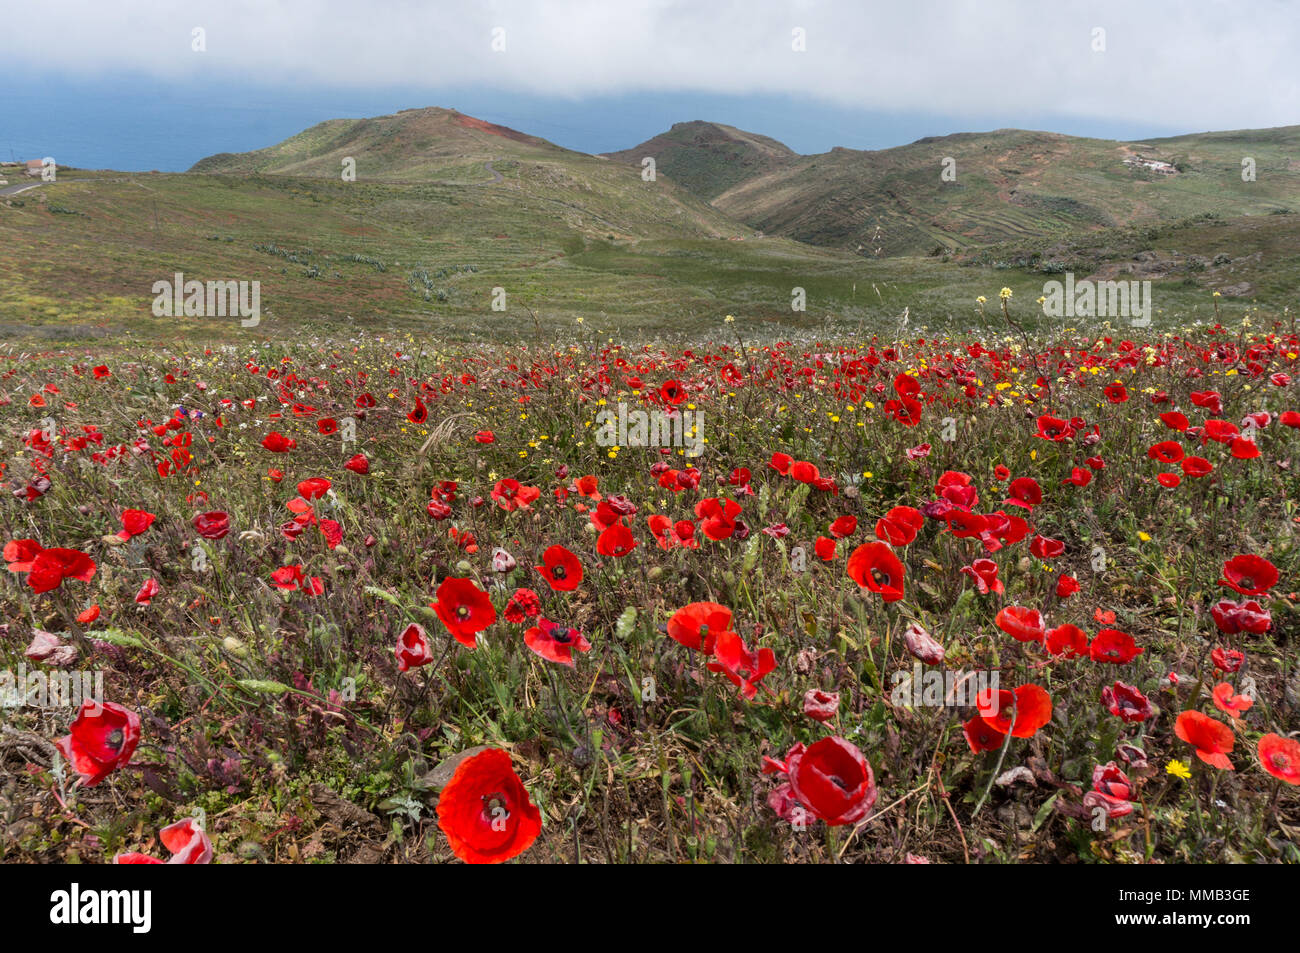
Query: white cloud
x,y
1198,64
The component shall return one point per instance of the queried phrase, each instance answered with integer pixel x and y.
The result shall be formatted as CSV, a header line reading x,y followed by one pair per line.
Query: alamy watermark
x,y
1098,299
213,299
935,689
655,428
39,689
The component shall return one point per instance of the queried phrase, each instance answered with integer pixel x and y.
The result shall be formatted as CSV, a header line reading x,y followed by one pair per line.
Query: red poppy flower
x,y
1227,661
1067,641
1045,548
327,426
718,517
1116,393
485,436
135,522
616,541
314,488
819,705
1054,428
697,625
1290,418
874,566
833,781
19,554
358,463
1209,400
1212,739
1228,701
86,616
464,609
555,642
981,736
277,442
1245,616
906,410
1280,757
1249,575
560,568
419,413
1243,448
214,525
805,472
187,841
985,574
900,526
672,392
485,810
1110,780
1024,492
1114,646
660,526
1021,623
511,495
1167,451
744,668
103,738
824,547
1066,586
1000,472
524,604
1021,712
781,463
955,487
1126,702
147,592
1196,467
413,648
844,526
1174,420
290,578
51,566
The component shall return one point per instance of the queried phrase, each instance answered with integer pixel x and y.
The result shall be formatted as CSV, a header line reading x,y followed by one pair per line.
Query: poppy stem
x,y
994,776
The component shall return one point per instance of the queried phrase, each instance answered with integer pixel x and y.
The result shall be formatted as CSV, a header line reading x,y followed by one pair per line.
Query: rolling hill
x,y
442,147
709,158
1005,185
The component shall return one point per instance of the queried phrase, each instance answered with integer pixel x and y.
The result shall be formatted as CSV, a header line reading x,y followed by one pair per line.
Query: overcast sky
x,y
1198,64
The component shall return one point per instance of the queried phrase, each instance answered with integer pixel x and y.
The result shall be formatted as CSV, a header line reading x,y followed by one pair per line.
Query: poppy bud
x,y
922,645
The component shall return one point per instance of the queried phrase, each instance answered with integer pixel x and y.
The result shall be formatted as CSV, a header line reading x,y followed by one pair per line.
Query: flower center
x,y
115,738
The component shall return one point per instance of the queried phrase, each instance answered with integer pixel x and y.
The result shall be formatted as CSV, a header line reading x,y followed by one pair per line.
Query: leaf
x,y
1043,812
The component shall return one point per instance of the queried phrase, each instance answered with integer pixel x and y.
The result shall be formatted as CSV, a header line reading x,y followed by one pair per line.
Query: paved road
x,y
20,187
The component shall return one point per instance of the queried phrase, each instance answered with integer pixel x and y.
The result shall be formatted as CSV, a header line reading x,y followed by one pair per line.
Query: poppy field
x,y
1027,598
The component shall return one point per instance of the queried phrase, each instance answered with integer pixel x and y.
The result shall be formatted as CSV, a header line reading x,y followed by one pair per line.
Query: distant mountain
x,y
936,195
443,147
709,158
1007,185
413,143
